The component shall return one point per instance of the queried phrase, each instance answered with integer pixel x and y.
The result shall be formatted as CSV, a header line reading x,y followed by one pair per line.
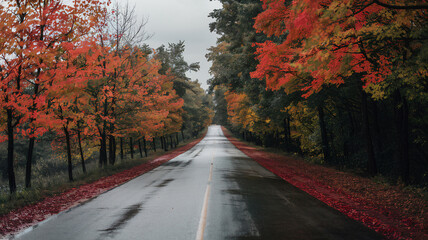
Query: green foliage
x,y
233,58
198,109
220,103
173,62
197,105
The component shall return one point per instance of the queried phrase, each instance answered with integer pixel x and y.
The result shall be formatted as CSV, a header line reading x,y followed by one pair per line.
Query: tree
x,y
196,114
325,74
36,31
126,32
220,106
329,43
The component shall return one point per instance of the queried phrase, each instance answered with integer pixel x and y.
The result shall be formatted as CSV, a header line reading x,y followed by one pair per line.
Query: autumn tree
x,y
36,30
347,41
327,74
13,62
126,31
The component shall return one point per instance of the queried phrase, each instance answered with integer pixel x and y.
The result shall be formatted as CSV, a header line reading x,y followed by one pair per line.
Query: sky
x,y
173,20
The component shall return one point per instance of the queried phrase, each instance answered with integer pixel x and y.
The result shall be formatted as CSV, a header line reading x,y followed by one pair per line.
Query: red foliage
x,y
27,216
390,211
323,42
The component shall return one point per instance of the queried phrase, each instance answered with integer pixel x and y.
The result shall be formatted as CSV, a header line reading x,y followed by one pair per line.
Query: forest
x,y
341,83
78,85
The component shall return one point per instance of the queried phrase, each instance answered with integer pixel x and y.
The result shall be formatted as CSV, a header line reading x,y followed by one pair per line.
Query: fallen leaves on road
x,y
391,211
27,216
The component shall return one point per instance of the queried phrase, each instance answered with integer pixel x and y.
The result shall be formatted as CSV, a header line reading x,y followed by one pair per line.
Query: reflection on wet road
x,y
213,191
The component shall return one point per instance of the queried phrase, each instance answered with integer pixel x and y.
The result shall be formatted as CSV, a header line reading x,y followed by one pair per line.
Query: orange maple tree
x,y
326,42
32,35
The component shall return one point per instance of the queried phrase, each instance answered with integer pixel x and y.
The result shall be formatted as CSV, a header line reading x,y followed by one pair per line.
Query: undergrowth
x,y
45,185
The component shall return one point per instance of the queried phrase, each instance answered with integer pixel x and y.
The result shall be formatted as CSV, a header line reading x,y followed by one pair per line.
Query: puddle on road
x,y
172,164
164,183
177,164
187,163
130,212
197,154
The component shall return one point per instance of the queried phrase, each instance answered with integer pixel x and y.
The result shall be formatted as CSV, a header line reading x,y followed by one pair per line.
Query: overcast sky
x,y
173,20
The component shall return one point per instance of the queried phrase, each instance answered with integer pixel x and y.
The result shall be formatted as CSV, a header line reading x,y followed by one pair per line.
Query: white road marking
x,y
203,219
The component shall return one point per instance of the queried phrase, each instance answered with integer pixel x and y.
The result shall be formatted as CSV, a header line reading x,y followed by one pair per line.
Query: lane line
x,y
203,219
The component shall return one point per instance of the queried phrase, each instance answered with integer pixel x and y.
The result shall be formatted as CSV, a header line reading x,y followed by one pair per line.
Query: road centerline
x,y
203,218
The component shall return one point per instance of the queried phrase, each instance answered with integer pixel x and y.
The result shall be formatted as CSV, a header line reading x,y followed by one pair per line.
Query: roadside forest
x,y
78,85
342,83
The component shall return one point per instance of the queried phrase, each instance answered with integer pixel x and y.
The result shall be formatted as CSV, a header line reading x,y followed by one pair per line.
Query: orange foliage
x,y
327,41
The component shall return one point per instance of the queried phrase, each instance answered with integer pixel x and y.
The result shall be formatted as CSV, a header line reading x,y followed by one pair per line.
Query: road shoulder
x,y
30,215
343,192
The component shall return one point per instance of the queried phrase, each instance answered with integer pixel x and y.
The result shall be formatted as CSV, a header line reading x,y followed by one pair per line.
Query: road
x,y
213,191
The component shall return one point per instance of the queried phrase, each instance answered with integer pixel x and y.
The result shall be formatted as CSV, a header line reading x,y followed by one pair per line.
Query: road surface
x,y
213,191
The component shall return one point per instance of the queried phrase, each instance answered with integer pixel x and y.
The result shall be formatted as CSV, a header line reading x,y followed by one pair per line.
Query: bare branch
x,y
128,30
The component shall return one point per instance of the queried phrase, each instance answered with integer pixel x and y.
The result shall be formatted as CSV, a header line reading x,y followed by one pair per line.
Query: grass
x,y
49,184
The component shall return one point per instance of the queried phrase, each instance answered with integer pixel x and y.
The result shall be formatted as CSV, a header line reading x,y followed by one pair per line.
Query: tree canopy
x,y
335,80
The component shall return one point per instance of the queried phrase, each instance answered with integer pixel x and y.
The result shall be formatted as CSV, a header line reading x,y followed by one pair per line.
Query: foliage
x,y
197,105
79,71
339,81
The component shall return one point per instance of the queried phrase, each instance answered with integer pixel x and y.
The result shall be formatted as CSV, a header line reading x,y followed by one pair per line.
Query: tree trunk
x,y
182,134
121,148
371,160
145,147
345,148
111,150
171,143
139,148
176,137
287,134
352,123
162,145
82,158
103,150
31,143
114,148
377,128
277,141
154,144
104,134
402,115
70,165
131,147
10,152
112,138
165,143
29,163
324,139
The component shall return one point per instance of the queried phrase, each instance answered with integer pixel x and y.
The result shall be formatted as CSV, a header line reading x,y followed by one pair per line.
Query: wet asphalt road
x,y
213,191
